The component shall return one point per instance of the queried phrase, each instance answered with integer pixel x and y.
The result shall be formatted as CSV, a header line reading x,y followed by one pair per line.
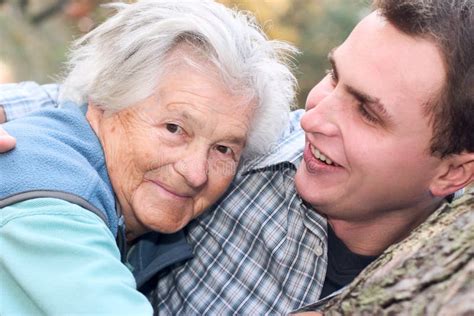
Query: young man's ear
x,y
456,173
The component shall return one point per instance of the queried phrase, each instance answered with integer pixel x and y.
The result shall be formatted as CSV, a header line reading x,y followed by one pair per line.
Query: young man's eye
x,y
332,75
173,128
366,114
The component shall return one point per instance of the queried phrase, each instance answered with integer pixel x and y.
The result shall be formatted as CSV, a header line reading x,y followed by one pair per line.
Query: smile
x,y
321,157
170,192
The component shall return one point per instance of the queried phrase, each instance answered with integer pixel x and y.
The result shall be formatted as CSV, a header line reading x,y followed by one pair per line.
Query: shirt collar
x,y
288,150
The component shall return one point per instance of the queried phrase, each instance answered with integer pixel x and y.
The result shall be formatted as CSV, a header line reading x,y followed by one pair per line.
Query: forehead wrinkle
x,y
209,103
180,108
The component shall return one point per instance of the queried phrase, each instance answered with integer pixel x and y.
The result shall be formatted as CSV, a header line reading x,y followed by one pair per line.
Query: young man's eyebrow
x,y
333,62
372,102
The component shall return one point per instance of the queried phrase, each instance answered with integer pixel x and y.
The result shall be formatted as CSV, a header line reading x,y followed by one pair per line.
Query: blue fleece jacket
x,y
58,155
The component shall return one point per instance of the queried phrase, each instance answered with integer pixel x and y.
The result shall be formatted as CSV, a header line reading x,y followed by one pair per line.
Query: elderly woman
x,y
160,104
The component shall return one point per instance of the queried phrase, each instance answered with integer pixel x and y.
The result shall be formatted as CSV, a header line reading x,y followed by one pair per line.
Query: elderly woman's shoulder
x,y
57,155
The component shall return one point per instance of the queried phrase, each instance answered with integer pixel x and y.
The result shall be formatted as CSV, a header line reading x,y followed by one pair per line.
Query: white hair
x,y
121,61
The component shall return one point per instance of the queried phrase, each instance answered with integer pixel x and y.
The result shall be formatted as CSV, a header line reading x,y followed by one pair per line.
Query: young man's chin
x,y
310,190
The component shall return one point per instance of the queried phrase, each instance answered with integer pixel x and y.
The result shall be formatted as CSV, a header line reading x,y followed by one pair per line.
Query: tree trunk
x,y
429,273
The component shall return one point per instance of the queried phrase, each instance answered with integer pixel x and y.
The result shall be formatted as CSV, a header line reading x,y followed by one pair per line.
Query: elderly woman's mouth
x,y
170,191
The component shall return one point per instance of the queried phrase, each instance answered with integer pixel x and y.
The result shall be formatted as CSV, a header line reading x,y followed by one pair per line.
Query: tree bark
x,y
431,272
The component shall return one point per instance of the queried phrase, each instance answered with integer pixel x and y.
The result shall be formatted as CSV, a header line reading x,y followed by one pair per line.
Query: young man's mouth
x,y
320,156
316,160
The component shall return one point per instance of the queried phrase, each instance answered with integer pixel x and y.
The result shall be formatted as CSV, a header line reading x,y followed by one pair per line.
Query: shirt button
x,y
318,251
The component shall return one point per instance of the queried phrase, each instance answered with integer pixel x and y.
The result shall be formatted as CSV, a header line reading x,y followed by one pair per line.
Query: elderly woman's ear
x,y
94,116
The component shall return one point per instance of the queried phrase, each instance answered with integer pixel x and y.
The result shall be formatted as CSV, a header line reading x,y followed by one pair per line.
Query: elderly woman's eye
x,y
224,149
173,128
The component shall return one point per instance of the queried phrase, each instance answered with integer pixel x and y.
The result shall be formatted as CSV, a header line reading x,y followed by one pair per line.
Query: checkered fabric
x,y
18,99
260,250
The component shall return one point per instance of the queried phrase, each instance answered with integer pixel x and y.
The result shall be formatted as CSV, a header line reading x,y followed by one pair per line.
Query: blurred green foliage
x,y
36,52
31,52
321,28
314,26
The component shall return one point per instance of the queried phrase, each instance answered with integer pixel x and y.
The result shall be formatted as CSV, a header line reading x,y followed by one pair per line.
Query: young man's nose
x,y
321,116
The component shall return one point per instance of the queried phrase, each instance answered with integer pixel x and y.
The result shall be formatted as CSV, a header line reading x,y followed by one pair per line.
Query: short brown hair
x,y
450,25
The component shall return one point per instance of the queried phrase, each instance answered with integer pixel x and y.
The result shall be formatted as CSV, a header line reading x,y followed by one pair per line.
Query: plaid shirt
x,y
260,250
19,99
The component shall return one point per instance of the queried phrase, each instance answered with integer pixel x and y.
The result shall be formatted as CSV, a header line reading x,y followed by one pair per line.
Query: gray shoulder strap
x,y
68,197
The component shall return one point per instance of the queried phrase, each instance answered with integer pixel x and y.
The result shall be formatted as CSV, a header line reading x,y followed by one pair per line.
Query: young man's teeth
x,y
320,156
316,152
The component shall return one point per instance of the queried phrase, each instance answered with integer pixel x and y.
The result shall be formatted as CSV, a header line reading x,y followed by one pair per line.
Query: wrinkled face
x,y
366,120
174,154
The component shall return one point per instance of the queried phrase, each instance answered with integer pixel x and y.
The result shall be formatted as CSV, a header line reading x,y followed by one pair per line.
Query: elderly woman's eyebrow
x,y
186,114
236,137
236,140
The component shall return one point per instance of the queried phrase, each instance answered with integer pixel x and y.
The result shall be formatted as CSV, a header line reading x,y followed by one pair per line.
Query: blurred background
x,y
35,34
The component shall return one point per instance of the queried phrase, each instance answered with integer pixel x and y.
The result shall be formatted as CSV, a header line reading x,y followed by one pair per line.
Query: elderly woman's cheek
x,y
221,173
225,169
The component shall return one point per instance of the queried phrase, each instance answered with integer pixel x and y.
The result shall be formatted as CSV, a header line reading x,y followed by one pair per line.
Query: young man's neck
x,y
372,237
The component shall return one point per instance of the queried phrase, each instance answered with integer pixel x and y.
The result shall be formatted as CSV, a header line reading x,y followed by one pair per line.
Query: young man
x,y
386,137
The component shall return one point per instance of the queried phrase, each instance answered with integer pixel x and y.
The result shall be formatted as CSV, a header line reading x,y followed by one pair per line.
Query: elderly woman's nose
x,y
194,169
